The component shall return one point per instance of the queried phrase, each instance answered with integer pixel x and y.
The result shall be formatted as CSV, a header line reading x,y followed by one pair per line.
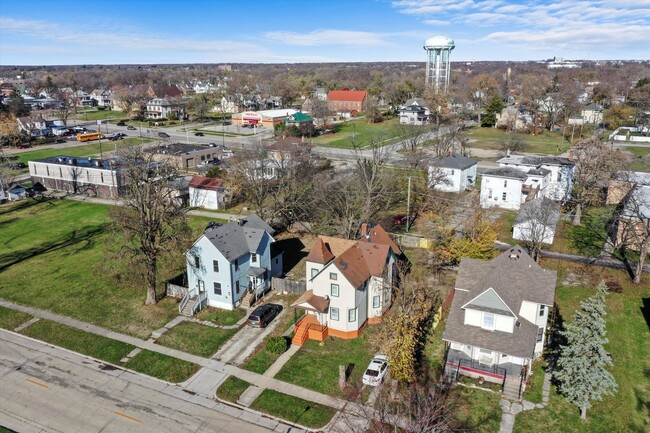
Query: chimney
x,y
364,229
508,152
240,221
570,157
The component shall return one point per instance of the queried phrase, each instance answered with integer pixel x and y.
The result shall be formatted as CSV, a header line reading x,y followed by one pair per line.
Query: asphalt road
x,y
46,389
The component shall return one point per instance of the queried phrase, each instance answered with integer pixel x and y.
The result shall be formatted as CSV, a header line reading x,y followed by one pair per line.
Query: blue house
x,y
231,264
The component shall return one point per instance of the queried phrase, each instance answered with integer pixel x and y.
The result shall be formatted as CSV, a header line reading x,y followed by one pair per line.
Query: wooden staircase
x,y
188,308
511,389
248,300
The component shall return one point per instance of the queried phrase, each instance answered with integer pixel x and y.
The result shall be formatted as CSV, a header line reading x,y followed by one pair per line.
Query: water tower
x,y
438,49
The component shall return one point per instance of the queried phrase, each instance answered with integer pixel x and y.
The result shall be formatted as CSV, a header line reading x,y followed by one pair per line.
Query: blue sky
x,y
39,32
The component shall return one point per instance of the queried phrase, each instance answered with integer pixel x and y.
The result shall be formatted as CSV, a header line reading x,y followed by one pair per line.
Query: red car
x,y
24,146
400,219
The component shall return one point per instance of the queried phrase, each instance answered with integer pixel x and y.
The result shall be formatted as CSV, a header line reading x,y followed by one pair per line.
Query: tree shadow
x,y
22,205
643,404
645,310
293,252
554,340
77,237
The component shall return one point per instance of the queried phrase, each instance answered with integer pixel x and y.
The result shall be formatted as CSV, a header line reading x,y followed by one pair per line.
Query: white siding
x,y
493,188
473,317
523,232
504,323
456,180
205,198
309,267
529,311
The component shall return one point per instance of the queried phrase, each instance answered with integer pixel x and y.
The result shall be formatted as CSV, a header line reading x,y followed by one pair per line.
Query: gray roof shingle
x,y
507,172
454,160
234,240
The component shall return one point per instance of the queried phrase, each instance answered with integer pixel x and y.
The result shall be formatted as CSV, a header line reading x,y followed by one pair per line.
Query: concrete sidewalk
x,y
258,379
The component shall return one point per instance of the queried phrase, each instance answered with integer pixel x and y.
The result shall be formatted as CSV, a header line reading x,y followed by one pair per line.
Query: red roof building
x,y
346,100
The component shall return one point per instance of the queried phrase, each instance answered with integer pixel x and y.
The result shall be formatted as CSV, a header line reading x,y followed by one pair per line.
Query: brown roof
x,y
337,245
362,261
208,183
319,253
377,235
318,303
346,95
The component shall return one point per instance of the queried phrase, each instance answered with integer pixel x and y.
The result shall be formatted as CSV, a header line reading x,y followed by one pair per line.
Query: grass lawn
x,y
221,317
491,138
54,256
293,409
589,237
232,388
197,339
162,366
534,387
475,410
10,319
77,340
317,367
98,115
386,132
638,151
628,333
639,160
503,225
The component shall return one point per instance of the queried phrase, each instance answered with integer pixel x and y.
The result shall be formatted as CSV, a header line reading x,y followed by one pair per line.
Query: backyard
x,y
639,158
548,143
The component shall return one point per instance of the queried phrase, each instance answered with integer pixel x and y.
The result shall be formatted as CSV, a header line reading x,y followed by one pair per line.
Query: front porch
x,y
308,328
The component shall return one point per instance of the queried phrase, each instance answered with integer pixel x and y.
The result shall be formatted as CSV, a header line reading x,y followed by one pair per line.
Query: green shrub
x,y
276,345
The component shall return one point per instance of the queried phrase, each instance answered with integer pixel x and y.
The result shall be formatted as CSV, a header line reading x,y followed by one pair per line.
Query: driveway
x,y
244,342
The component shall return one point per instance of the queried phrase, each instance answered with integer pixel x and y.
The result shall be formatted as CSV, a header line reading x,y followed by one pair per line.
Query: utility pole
x,y
408,206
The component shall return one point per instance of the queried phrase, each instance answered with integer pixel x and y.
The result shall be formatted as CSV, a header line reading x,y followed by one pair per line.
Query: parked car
x,y
399,219
199,134
262,315
131,128
59,140
24,146
121,124
163,135
376,371
17,165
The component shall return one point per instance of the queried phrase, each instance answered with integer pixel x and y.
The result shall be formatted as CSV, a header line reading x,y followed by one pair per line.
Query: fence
x,y
284,285
177,286
412,241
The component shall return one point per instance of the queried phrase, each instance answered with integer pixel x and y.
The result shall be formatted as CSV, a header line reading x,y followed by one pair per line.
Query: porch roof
x,y
309,301
254,271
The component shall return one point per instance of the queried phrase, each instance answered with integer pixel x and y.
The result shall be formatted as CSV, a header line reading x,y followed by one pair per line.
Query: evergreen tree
x,y
494,107
581,365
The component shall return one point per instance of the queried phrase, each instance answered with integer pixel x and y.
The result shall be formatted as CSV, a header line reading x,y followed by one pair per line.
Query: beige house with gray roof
x,y
498,318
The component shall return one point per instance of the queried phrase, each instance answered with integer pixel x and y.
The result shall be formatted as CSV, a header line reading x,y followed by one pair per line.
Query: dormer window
x,y
253,258
542,310
488,321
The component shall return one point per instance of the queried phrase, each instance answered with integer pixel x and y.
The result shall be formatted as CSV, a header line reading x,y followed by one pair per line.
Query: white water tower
x,y
438,49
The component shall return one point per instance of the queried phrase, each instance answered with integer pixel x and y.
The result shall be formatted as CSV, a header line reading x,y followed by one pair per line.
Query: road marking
x,y
36,383
126,416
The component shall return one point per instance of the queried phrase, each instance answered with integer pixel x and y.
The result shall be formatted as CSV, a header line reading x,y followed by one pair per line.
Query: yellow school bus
x,y
89,136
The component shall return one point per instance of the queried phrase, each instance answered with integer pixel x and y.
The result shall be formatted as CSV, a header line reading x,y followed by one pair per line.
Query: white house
x,y
560,182
103,97
349,284
502,187
414,112
592,113
498,318
207,193
453,173
537,221
230,262
160,108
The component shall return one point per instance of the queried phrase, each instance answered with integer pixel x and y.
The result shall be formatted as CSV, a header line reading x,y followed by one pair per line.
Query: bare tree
x,y
482,88
7,174
596,165
151,220
536,223
413,138
633,227
250,177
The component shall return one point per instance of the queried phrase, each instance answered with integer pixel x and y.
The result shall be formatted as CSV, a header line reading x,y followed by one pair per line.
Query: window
x,y
253,258
505,183
197,261
236,265
215,266
47,169
559,176
334,313
217,289
375,301
352,315
488,321
540,334
101,175
334,290
542,310
504,196
453,172
333,276
237,287
314,271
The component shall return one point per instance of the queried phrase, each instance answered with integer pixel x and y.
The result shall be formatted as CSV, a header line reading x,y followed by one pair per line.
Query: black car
x,y
17,165
121,124
59,140
262,315
199,134
163,135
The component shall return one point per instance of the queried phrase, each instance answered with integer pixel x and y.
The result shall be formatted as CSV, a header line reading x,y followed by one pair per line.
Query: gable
x,y
489,301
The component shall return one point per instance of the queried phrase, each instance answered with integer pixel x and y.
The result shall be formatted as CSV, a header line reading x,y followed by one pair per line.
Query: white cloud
x,y
436,22
327,37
